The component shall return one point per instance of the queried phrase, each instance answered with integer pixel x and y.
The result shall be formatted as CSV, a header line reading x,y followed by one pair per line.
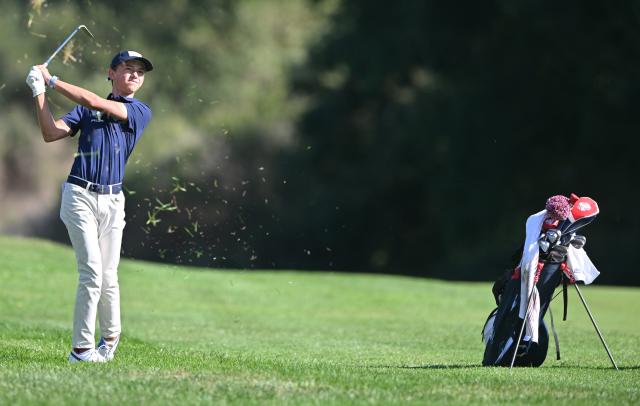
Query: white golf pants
x,y
95,224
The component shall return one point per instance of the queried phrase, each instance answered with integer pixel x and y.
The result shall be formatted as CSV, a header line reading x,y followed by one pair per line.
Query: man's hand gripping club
x,y
36,81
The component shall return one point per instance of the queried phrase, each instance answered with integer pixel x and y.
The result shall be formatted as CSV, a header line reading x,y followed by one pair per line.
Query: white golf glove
x,y
36,81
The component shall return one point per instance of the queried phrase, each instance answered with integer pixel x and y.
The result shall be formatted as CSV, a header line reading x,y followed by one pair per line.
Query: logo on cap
x,y
124,56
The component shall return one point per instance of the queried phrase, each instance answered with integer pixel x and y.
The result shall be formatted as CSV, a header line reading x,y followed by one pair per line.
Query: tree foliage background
x,y
406,137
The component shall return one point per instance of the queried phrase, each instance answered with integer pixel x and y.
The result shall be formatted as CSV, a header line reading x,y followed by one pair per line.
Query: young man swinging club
x,y
92,205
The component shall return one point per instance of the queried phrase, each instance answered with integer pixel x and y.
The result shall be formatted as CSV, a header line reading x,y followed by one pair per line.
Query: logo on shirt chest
x,y
97,116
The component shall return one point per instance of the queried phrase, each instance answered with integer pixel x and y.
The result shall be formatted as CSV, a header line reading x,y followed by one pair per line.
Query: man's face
x,y
127,77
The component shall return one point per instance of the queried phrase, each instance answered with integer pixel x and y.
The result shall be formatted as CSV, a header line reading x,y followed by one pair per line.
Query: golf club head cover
x,y
35,80
583,207
550,223
558,207
573,198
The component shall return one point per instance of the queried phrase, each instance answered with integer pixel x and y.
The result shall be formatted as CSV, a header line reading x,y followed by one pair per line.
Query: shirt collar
x,y
120,98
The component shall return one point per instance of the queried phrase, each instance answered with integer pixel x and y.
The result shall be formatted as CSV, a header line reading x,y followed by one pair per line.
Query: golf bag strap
x,y
555,335
565,296
567,278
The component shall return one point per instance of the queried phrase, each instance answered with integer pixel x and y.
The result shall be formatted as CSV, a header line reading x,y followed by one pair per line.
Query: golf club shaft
x,y
61,46
524,322
596,326
67,41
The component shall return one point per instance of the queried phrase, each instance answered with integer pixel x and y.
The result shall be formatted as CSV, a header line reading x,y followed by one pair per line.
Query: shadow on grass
x,y
431,366
629,368
595,368
475,366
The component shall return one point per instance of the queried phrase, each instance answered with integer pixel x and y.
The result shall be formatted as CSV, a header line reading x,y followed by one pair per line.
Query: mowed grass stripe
x,y
196,336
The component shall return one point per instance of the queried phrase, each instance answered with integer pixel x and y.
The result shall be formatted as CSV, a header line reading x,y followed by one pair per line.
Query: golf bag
x,y
503,325
557,245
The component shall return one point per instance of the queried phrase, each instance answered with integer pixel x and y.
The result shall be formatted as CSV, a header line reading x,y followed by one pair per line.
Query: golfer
x,y
92,205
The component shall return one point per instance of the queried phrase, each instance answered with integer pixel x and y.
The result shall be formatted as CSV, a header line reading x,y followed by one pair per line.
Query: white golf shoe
x,y
107,349
91,355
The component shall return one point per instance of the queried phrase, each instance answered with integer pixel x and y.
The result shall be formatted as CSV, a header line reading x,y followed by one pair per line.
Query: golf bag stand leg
x,y
596,326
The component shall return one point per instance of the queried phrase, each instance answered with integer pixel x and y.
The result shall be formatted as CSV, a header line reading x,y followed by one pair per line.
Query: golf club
x,y
524,321
79,28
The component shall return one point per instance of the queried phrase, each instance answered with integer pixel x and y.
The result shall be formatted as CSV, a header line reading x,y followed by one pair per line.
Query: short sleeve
x,y
138,116
73,118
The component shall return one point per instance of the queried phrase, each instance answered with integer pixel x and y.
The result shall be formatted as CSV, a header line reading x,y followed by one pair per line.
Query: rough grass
x,y
195,336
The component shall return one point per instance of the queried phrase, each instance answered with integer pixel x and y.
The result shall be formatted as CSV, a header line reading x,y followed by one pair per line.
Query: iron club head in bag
x,y
578,241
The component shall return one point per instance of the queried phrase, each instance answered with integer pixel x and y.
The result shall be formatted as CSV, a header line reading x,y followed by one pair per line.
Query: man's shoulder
x,y
128,100
137,102
143,104
139,113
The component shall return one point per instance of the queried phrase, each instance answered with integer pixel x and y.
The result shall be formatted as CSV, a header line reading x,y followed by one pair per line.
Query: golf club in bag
x,y
560,260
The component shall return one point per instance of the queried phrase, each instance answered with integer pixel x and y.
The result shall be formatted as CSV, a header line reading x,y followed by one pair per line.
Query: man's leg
x,y
110,244
78,212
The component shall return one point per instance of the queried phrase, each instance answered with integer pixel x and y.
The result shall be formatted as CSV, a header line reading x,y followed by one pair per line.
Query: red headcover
x,y
583,207
550,223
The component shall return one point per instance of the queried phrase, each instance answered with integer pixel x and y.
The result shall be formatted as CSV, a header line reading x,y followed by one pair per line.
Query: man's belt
x,y
94,187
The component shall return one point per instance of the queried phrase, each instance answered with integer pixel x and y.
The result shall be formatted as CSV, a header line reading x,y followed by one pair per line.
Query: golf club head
x,y
86,30
544,245
553,235
578,241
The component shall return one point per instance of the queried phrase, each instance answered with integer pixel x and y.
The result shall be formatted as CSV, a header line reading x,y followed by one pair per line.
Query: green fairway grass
x,y
198,336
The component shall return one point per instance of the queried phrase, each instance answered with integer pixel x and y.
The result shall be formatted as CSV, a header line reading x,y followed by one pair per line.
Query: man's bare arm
x,y
86,98
52,130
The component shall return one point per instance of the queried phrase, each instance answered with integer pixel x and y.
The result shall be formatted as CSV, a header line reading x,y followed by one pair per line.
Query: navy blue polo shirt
x,y
105,143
